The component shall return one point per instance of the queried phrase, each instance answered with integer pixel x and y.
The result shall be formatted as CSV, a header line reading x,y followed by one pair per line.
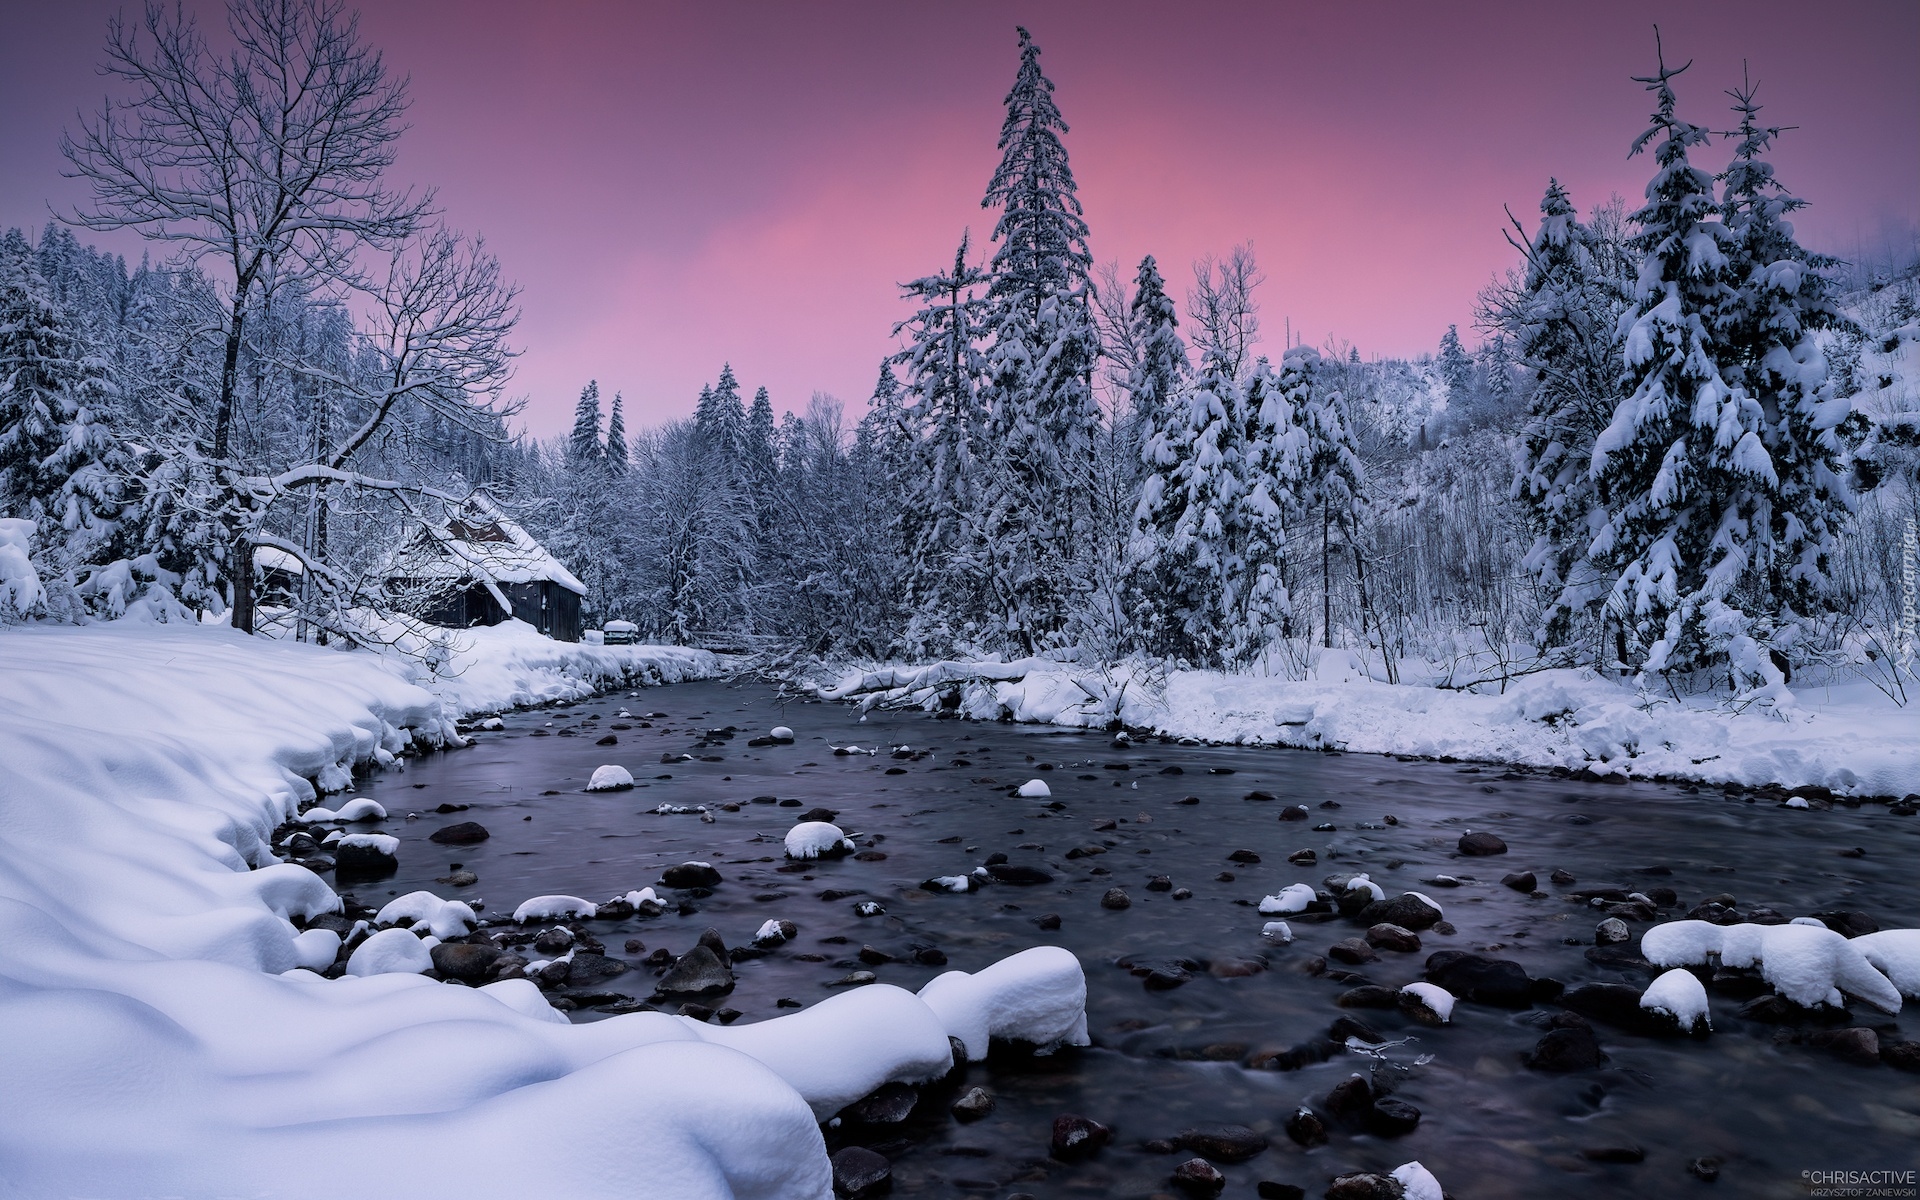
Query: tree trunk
x,y
241,565
1326,576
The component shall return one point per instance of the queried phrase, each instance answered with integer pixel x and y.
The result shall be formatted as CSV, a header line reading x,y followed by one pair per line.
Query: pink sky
x,y
678,185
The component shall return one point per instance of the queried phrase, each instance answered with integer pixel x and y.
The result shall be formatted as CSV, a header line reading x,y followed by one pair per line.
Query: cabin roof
x,y
481,542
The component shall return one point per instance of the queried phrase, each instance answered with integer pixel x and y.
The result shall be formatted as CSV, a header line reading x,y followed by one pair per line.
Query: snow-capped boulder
x,y
1037,996
780,733
365,852
361,809
1896,954
553,908
817,839
1278,932
1805,964
1293,898
1418,1182
1428,1003
1679,996
610,778
316,948
950,883
1035,789
442,918
391,952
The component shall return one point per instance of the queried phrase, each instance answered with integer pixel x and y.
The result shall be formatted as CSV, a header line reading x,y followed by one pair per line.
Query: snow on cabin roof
x,y
482,543
273,558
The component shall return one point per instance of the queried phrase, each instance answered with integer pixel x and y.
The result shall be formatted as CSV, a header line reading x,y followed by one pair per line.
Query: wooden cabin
x,y
481,568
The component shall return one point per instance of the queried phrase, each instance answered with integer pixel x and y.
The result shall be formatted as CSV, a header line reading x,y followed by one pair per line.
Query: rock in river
x,y
698,970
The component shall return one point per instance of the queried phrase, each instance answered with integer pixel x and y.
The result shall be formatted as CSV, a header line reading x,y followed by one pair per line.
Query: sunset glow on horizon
x,y
679,186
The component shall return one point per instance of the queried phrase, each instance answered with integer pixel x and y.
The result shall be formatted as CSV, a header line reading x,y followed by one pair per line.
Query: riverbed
x,y
926,797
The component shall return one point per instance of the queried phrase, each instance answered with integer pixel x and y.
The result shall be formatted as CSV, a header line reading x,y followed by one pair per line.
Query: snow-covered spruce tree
x,y
1156,385
1315,459
1675,466
759,438
721,422
583,444
1564,317
1783,298
1456,367
61,465
1043,418
937,434
1185,549
616,452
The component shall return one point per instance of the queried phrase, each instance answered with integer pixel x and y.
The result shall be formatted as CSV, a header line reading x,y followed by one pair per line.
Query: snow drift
x,y
158,1031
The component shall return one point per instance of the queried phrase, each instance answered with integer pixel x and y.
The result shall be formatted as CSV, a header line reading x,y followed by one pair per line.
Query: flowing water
x,y
1161,1061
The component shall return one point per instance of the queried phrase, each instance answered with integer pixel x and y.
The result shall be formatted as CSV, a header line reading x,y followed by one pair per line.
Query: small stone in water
x,y
1198,1177
859,1173
977,1103
1611,932
1116,899
1076,1137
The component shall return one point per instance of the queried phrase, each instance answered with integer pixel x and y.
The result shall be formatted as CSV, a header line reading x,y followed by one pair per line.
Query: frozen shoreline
x,y
1847,738
157,1036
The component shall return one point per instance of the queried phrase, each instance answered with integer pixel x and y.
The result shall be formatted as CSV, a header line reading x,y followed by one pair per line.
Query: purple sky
x,y
678,185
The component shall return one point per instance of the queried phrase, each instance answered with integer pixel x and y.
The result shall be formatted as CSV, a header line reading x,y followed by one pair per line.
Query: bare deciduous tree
x,y
267,159
1223,310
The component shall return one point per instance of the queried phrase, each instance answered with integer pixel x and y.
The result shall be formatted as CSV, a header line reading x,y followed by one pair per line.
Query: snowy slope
x,y
155,1040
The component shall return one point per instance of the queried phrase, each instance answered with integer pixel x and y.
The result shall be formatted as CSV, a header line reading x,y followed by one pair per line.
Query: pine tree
x,y
759,438
616,452
1043,419
1156,385
61,465
1565,318
938,520
1783,299
1456,368
1317,457
583,445
721,422
1671,467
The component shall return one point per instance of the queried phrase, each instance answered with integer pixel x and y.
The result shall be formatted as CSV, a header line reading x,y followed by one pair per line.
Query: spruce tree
x,y
1044,420
616,452
1564,317
1455,366
721,421
61,465
1783,299
945,422
1671,466
583,445
760,454
1316,460
1157,383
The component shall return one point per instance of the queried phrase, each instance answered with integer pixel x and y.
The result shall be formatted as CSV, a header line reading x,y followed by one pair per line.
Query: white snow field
x,y
1847,736
158,1035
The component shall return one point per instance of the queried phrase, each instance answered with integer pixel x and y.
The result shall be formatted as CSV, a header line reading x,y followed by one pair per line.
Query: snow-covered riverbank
x,y
1848,737
158,1036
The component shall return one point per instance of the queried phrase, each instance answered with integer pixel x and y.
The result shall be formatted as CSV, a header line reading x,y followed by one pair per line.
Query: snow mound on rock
x,y
1435,997
390,952
317,948
1418,1182
1679,995
1805,964
379,843
610,778
816,839
1037,996
1035,789
554,908
442,918
1896,954
1293,898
